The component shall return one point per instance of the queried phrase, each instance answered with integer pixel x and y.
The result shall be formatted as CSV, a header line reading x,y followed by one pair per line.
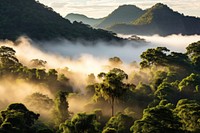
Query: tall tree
x,y
193,51
61,112
112,86
8,58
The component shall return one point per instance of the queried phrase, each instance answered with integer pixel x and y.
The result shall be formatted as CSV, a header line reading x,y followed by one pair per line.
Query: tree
x,y
39,101
168,92
120,122
17,119
189,113
61,112
190,84
159,119
154,56
193,51
81,123
8,61
112,86
115,61
7,56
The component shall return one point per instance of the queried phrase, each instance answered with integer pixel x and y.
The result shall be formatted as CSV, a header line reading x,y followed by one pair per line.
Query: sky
x,y
101,8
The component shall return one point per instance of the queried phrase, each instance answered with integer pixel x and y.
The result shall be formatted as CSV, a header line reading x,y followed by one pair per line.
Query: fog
x,y
128,52
78,60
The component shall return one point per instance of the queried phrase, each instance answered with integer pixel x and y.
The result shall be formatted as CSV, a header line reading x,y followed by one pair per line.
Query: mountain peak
x,y
123,14
128,6
160,6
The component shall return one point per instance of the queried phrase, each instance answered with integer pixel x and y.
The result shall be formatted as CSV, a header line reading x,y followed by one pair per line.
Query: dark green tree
x,y
154,56
190,84
120,122
189,113
81,123
17,119
158,119
193,51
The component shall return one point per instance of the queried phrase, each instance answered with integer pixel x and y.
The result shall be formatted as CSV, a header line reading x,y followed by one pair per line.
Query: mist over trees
x,y
160,96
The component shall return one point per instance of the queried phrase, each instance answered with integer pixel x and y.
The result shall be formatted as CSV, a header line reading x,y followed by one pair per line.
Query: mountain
x,y
123,14
84,19
39,22
162,20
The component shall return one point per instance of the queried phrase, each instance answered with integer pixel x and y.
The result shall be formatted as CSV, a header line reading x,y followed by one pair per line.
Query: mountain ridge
x,y
162,20
83,18
159,19
39,22
123,14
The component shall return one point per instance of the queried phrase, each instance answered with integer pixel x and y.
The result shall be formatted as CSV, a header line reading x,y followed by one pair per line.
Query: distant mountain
x,y
84,19
123,14
39,22
162,20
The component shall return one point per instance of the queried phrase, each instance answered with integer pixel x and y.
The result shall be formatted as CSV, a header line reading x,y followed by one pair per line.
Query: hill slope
x,y
84,19
37,21
162,20
123,14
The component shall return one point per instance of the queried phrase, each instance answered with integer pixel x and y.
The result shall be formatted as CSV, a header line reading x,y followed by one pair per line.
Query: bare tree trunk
x,y
112,105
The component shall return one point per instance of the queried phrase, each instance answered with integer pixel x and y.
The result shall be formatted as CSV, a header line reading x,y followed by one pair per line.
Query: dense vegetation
x,y
39,22
165,88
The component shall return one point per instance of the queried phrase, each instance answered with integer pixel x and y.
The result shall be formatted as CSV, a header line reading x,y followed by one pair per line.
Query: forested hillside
x,y
39,22
159,95
162,20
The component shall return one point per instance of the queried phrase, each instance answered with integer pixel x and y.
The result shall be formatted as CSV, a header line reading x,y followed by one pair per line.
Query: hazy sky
x,y
101,8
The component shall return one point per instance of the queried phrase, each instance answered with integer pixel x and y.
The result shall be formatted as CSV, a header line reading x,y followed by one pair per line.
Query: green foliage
x,y
120,122
81,123
109,130
8,58
194,53
157,119
112,85
190,83
17,118
168,92
189,113
155,56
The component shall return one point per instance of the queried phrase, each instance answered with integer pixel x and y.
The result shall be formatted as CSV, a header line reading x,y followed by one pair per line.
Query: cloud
x,y
58,5
101,8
